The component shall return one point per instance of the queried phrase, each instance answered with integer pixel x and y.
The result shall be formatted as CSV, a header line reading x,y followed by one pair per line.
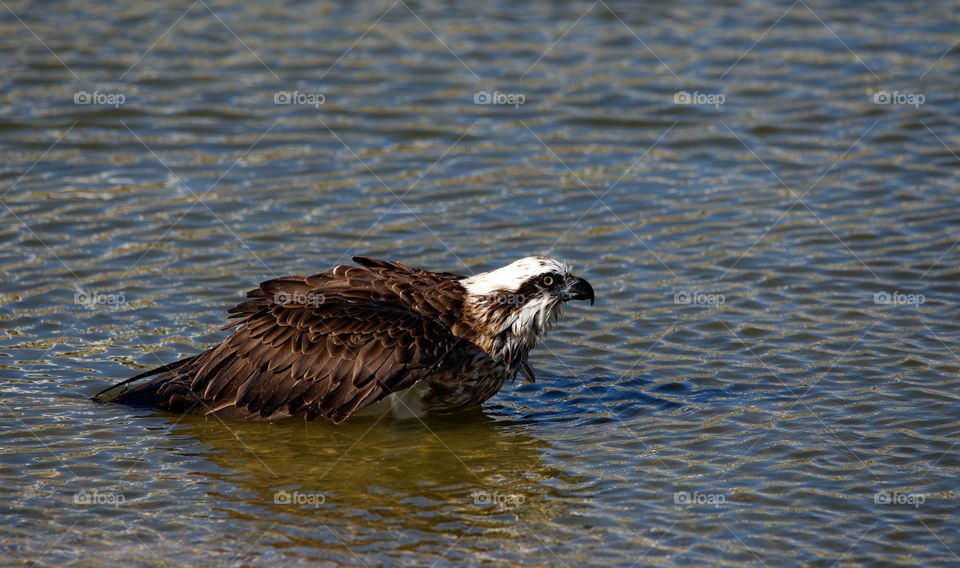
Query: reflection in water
x,y
450,477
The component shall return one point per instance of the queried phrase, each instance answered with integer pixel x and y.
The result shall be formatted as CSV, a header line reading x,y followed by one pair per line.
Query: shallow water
x,y
769,376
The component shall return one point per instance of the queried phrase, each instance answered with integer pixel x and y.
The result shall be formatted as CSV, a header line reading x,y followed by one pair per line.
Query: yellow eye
x,y
547,280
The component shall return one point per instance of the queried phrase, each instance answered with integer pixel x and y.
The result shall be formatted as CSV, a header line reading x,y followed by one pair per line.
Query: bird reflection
x,y
462,474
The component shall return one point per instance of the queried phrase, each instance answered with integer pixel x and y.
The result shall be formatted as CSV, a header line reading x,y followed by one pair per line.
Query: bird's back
x,y
324,345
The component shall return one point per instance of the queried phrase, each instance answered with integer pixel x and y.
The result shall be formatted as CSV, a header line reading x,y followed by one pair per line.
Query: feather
x,y
527,371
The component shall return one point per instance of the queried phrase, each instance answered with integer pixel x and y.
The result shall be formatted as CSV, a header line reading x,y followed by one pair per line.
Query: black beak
x,y
579,289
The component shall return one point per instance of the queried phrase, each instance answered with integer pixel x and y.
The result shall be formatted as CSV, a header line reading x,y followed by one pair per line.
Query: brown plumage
x,y
381,336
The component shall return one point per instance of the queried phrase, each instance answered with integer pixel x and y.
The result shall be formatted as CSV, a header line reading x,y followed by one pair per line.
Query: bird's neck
x,y
508,332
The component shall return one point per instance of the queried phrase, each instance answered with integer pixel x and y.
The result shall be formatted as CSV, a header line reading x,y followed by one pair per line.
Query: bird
x,y
378,337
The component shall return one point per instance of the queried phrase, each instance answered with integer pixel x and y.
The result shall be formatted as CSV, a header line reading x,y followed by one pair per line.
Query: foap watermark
x,y
884,298
898,98
505,500
98,98
498,98
299,98
96,497
694,298
504,299
299,298
698,98
914,500
93,300
299,498
689,499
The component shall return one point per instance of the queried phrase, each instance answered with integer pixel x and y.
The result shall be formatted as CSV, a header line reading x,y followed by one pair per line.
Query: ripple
x,y
779,413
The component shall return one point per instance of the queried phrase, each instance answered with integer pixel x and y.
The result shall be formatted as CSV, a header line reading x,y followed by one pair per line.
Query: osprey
x,y
375,338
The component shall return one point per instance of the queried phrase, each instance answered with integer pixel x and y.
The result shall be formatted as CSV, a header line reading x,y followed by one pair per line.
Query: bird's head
x,y
513,305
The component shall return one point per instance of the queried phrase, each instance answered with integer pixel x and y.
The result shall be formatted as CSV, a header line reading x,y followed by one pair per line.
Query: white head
x,y
513,305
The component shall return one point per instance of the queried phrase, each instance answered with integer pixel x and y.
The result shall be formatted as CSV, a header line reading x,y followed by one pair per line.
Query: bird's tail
x,y
146,393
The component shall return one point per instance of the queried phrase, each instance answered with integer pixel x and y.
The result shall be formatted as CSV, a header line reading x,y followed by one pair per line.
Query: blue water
x,y
769,376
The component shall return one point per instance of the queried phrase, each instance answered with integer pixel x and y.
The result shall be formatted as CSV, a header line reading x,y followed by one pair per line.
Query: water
x,y
799,409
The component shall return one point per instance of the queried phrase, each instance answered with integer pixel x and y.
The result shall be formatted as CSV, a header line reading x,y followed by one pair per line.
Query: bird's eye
x,y
548,280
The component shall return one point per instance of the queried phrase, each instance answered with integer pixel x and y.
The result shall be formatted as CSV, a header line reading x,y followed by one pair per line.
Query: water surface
x,y
769,376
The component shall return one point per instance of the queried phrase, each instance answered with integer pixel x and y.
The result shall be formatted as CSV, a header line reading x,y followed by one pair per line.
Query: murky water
x,y
769,376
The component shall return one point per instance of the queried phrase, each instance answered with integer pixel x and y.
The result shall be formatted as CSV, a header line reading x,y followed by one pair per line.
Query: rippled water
x,y
770,374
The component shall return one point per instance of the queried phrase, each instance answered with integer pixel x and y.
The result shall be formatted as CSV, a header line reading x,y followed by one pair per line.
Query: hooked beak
x,y
579,289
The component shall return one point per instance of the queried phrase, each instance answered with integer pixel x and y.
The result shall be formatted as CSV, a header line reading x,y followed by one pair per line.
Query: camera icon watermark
x,y
97,98
698,98
895,298
299,498
299,98
914,500
503,500
93,300
96,497
688,499
898,98
694,298
498,98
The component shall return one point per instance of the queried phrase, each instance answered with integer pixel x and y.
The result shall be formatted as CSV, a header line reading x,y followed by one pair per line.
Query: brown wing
x,y
435,294
324,345
301,350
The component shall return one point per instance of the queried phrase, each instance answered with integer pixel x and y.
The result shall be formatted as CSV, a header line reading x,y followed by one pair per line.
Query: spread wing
x,y
325,345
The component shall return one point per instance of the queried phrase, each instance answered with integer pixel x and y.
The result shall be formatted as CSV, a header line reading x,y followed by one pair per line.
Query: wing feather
x,y
328,344
280,362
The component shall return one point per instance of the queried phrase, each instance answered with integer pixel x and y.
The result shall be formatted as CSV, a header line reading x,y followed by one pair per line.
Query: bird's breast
x,y
445,391
465,387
